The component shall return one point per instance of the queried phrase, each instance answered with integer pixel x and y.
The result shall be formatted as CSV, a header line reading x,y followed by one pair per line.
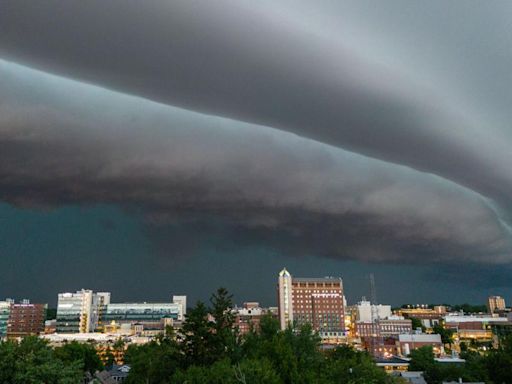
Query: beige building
x,y
495,303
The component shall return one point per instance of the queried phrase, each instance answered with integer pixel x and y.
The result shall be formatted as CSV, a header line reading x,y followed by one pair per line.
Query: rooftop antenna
x,y
373,291
373,298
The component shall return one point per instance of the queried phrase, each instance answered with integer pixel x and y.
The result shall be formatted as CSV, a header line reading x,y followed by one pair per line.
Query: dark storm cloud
x,y
65,142
259,63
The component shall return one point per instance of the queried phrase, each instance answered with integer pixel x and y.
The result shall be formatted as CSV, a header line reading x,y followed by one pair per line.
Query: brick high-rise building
x,y
317,301
26,319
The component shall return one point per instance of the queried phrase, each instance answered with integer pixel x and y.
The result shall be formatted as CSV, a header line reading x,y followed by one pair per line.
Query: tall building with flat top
x,y
284,294
79,312
315,301
26,319
495,304
5,309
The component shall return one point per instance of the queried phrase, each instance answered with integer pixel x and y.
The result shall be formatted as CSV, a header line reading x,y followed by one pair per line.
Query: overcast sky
x,y
167,141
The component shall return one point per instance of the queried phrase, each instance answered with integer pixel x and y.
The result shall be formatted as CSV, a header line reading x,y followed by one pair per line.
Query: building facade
x,y
5,308
248,317
367,312
315,301
409,342
79,312
26,319
384,328
140,316
86,311
495,304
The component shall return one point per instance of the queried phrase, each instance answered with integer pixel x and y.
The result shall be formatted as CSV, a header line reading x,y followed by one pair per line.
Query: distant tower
x,y
373,298
373,291
284,287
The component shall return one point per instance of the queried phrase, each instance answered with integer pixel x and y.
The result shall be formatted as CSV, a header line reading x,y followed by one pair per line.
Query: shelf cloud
x,y
303,127
66,142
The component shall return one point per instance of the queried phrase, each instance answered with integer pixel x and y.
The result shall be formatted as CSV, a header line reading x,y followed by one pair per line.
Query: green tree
x,y
8,357
51,314
416,323
32,361
197,336
346,365
446,334
153,363
225,372
422,359
224,337
85,354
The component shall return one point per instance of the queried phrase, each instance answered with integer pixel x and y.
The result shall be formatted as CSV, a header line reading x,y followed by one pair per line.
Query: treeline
x,y
210,351
33,361
492,367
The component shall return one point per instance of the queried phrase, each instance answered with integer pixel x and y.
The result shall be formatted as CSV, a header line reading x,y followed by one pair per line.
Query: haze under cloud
x,y
363,131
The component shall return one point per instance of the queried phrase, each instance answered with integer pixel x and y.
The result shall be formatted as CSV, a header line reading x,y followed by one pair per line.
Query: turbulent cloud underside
x,y
67,142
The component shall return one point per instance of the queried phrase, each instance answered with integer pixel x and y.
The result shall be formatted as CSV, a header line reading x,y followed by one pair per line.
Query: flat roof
x,y
316,279
420,337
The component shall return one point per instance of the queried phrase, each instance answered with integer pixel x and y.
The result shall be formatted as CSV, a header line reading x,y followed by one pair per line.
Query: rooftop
x,y
327,279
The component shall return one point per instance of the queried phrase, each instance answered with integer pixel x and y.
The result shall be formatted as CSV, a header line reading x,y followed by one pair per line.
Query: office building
x,y
86,311
367,312
181,300
26,319
79,312
140,316
391,327
315,301
249,316
5,308
495,304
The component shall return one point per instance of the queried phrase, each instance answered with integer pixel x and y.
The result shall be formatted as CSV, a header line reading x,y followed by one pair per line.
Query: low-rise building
x,y
249,316
408,342
473,327
428,316
143,317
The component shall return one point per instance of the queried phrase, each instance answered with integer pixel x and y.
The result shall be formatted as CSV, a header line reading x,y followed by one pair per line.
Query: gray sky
x,y
369,132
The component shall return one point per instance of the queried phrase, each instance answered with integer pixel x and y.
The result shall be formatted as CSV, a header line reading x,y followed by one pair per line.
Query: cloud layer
x,y
66,142
262,64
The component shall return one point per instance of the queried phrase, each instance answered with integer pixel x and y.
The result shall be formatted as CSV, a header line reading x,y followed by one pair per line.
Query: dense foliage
x,y
494,367
32,361
211,351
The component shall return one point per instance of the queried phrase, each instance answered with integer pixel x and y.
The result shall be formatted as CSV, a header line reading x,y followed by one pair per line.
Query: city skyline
x,y
179,146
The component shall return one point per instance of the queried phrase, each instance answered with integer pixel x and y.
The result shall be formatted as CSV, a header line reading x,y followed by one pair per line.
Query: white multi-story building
x,y
368,313
182,302
5,307
79,312
285,298
86,311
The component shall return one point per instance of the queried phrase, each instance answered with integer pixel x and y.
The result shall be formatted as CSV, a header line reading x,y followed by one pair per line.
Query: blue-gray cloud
x,y
274,65
66,142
